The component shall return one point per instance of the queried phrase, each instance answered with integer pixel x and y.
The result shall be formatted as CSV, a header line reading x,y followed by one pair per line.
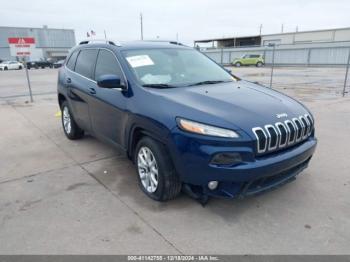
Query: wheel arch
x,y
61,99
135,135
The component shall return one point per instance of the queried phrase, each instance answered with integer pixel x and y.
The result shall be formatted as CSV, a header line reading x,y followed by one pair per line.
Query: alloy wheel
x,y
67,123
147,169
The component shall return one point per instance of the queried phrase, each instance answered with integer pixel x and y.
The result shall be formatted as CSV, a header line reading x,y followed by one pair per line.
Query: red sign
x,y
21,46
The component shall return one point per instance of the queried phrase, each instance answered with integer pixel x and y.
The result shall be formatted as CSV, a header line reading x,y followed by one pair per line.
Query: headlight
x,y
203,129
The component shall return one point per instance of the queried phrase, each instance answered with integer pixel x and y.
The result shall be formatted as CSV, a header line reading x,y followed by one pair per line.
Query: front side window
x,y
86,62
107,64
174,67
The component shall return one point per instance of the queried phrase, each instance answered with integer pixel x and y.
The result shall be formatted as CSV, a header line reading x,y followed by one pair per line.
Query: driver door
x,y
108,106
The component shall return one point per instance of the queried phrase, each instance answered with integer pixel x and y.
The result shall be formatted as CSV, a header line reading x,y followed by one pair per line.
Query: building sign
x,y
21,46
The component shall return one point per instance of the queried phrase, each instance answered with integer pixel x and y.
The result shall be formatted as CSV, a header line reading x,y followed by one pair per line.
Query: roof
x,y
36,28
286,33
225,38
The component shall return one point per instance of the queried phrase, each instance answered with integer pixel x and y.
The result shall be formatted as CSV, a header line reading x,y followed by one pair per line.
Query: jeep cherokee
x,y
184,120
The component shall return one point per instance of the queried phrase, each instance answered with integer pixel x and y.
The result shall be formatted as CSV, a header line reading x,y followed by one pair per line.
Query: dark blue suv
x,y
184,120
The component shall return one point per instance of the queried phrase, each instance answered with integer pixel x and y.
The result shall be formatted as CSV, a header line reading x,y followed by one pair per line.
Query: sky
x,y
165,19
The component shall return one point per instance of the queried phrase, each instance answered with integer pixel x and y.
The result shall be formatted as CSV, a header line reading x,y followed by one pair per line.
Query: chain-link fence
x,y
331,61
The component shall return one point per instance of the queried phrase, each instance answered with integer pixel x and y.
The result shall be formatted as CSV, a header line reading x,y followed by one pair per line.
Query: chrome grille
x,y
282,134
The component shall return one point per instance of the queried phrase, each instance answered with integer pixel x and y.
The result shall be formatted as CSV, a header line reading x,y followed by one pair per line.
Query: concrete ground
x,y
81,197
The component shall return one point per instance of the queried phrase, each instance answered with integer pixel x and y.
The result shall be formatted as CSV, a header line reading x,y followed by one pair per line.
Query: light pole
x,y
273,45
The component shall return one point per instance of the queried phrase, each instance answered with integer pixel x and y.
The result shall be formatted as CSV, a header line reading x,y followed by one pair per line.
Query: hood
x,y
235,105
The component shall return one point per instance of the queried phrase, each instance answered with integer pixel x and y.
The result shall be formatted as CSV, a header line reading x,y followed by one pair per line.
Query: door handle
x,y
92,90
68,80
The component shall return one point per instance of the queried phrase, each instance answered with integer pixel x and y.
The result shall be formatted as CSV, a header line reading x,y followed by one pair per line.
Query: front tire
x,y
156,173
70,127
238,64
259,64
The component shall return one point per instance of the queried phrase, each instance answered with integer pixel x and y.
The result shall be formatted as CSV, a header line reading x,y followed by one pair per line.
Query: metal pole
x,y
273,64
346,74
222,55
28,80
104,31
141,26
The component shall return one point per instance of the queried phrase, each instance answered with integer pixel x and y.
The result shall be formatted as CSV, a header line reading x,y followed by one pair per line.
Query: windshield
x,y
174,67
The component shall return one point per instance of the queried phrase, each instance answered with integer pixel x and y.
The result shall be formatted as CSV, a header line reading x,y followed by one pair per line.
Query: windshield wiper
x,y
158,85
208,82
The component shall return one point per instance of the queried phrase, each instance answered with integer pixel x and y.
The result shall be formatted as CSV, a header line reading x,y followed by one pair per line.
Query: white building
x,y
50,43
292,38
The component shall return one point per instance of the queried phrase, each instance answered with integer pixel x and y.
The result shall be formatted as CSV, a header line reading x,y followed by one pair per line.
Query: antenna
x,y
141,24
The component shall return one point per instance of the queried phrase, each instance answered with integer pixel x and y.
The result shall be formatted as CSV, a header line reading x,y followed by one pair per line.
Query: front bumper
x,y
192,155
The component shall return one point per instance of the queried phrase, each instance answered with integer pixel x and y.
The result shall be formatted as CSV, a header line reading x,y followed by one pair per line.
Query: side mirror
x,y
110,81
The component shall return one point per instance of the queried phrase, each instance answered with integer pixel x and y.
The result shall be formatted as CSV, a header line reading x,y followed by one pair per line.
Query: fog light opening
x,y
212,185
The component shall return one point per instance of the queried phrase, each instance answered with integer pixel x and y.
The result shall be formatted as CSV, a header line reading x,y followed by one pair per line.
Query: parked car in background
x,y
58,64
11,65
183,120
245,60
39,64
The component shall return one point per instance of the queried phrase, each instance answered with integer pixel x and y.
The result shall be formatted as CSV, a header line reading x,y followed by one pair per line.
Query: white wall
x,y
308,37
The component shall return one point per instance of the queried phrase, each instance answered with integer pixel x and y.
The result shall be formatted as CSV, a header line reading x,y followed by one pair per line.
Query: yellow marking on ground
x,y
58,114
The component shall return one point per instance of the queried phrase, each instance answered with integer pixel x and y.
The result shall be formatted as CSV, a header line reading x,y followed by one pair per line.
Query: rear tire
x,y
156,173
70,127
6,68
20,68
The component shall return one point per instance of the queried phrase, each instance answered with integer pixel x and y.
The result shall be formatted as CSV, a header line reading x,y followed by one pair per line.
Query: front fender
x,y
146,126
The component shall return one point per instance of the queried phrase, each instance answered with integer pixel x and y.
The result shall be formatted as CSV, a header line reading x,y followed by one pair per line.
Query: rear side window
x,y
72,59
85,62
107,64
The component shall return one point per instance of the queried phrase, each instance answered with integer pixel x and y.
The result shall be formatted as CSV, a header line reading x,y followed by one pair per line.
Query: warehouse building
x,y
307,48
292,38
50,44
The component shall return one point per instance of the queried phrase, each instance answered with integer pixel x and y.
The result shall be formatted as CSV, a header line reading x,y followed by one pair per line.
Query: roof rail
x,y
102,41
175,43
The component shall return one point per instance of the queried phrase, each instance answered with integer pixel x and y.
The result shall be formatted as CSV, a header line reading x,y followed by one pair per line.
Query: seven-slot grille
x,y
283,134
